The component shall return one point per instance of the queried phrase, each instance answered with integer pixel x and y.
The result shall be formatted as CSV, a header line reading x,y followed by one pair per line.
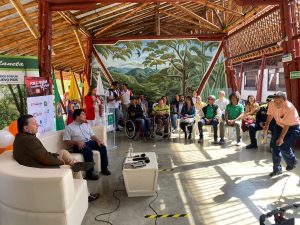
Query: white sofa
x,y
33,196
53,142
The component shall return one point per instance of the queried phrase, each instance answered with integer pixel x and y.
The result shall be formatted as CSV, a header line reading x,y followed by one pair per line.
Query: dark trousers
x,y
285,150
214,123
88,154
187,126
253,128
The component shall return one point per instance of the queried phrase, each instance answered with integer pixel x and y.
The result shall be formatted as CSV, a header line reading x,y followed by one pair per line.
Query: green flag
x,y
59,121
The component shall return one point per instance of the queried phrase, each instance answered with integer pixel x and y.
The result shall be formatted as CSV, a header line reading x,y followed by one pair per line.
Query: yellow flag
x,y
85,86
73,92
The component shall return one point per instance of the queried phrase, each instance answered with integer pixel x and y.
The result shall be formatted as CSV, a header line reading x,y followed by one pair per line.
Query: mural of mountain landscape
x,y
163,67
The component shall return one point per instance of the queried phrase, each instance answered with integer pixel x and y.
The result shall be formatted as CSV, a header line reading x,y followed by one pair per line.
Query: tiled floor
x,y
213,184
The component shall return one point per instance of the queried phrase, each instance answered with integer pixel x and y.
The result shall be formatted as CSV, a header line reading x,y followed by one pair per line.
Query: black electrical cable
x,y
108,213
153,208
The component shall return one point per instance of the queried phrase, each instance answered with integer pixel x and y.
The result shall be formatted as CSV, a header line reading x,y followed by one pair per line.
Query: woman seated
x,y
188,114
250,112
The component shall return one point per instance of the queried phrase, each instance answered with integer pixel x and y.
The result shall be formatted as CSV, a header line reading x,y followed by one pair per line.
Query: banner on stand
x,y
40,102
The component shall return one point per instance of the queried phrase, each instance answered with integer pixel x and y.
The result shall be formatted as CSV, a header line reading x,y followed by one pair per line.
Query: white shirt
x,y
113,104
78,132
180,107
125,97
222,103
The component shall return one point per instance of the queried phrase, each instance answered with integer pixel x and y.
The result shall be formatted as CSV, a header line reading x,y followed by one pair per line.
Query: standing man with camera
x,y
113,101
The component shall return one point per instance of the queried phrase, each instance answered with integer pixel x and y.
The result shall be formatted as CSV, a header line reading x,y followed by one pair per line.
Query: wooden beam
x,y
80,43
219,7
26,19
195,16
157,20
210,68
258,2
201,37
73,21
121,19
183,18
102,66
242,19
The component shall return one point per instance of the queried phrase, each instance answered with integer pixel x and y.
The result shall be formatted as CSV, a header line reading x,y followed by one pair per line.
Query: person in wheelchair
x,y
136,114
188,115
211,116
161,113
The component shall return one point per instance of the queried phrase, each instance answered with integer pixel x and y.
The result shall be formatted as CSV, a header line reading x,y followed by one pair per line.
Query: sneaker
x,y
275,173
251,146
221,142
92,177
93,197
291,167
82,166
105,172
200,141
239,142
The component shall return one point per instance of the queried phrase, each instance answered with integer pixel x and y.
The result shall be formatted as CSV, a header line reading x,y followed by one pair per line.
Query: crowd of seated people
x,y
278,116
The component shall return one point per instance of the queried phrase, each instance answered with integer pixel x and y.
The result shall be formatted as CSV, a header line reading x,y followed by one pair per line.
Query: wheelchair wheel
x,y
130,129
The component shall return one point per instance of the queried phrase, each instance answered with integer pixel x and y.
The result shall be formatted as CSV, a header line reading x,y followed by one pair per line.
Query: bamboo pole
x,y
26,19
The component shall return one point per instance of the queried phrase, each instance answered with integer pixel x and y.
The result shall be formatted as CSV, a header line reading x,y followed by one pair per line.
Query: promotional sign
x,y
295,75
38,86
41,108
40,102
287,58
13,69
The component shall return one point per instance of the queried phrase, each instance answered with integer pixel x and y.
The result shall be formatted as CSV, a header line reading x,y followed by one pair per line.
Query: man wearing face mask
x,y
286,131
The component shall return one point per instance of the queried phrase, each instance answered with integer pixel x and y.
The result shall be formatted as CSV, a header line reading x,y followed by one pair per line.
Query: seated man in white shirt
x,y
222,102
82,139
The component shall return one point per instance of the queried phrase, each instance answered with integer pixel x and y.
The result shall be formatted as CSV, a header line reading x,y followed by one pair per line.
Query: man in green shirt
x,y
233,117
211,116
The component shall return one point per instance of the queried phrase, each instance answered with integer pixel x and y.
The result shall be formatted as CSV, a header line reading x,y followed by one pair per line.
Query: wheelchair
x,y
133,127
159,132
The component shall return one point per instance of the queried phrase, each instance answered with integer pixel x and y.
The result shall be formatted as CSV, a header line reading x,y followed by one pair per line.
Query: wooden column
x,y
46,48
62,82
260,79
210,69
230,72
88,61
288,20
241,77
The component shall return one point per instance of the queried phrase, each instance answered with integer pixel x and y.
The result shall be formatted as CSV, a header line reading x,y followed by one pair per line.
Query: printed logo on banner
x,y
59,110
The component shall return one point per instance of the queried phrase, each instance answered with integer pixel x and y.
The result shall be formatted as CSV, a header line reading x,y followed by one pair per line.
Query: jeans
x,y
174,119
237,125
286,148
88,154
145,124
214,123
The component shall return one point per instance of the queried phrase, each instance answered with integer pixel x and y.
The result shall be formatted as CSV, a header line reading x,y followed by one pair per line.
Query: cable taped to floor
x,y
167,216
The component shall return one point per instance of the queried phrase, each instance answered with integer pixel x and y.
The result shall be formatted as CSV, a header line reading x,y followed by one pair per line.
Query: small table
x,y
141,181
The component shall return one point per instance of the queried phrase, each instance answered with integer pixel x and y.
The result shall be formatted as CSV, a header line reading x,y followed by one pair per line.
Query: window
x,y
276,80
250,82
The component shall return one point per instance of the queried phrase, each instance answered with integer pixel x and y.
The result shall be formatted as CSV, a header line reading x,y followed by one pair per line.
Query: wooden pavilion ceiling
x,y
72,28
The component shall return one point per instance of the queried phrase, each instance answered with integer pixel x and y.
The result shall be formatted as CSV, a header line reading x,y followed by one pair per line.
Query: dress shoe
x,y
93,197
251,146
92,177
82,166
105,172
275,173
293,166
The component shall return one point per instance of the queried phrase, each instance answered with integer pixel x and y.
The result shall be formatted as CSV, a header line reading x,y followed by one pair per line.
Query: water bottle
x,y
130,150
